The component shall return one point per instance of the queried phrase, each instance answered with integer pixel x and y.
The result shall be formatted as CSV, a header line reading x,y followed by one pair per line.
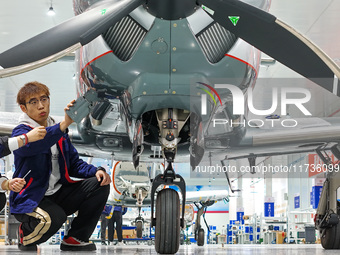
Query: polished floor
x,y
292,249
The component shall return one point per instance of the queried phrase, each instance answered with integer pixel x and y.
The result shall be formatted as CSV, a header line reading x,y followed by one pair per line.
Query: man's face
x,y
37,107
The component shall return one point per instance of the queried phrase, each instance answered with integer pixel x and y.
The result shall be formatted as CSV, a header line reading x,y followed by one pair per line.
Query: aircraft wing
x,y
309,135
206,195
8,121
191,197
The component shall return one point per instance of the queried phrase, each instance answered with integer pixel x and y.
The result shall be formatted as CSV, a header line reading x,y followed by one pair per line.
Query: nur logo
x,y
204,97
239,100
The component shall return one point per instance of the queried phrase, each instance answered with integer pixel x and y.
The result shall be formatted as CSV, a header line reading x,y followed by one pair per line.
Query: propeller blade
x,y
10,71
79,29
277,39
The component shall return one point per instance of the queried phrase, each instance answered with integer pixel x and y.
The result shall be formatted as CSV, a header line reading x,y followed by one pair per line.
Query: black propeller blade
x,y
275,38
80,29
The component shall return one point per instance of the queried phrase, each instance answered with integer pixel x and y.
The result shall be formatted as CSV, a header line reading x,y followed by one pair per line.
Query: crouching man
x,y
50,194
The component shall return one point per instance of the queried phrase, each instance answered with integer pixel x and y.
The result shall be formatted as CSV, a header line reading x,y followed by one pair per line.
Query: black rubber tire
x,y
139,229
167,232
329,237
200,237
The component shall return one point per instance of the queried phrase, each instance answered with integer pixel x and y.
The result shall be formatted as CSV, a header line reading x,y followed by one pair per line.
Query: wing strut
x,y
227,176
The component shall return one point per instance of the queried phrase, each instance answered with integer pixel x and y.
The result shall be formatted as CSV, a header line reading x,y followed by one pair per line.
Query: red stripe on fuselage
x,y
241,60
82,70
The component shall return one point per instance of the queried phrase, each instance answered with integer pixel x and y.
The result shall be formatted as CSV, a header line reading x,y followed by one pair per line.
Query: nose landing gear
x,y
168,219
139,221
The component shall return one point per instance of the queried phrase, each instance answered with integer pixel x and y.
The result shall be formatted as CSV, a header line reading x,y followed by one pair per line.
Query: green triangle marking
x,y
234,19
103,11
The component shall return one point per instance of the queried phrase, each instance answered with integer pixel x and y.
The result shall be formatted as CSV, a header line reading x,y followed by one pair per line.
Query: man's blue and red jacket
x,y
36,156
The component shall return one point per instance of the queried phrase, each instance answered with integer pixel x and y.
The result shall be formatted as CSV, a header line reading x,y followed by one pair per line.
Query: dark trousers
x,y
86,197
104,224
117,218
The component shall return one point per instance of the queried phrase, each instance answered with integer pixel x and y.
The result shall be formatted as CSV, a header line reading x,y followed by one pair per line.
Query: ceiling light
x,y
51,12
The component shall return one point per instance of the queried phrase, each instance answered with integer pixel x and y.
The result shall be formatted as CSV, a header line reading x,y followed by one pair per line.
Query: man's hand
x,y
67,120
36,134
103,177
16,184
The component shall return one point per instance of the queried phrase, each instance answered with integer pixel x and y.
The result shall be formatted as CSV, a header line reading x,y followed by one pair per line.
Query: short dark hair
x,y
29,89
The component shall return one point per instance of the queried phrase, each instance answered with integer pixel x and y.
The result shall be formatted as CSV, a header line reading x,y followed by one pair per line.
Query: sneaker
x,y
120,244
73,244
20,236
104,243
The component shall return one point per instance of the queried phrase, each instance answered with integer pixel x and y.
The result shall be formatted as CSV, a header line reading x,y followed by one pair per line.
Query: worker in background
x,y
117,218
106,217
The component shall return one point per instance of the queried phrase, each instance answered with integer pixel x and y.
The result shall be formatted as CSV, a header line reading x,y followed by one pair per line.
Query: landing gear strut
x,y
199,231
168,221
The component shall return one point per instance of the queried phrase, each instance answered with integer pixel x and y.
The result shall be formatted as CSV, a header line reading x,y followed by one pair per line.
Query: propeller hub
x,y
171,9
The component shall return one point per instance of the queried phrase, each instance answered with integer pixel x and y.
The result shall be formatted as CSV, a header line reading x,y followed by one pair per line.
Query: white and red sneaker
x,y
73,244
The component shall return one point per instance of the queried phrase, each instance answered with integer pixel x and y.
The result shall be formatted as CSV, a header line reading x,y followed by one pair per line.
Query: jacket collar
x,y
26,120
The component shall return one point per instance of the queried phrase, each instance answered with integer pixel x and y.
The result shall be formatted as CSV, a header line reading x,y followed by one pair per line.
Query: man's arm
x,y
79,168
67,120
124,210
10,144
53,134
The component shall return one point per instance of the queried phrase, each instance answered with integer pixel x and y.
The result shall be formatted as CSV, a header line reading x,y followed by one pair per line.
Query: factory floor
x,y
292,249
